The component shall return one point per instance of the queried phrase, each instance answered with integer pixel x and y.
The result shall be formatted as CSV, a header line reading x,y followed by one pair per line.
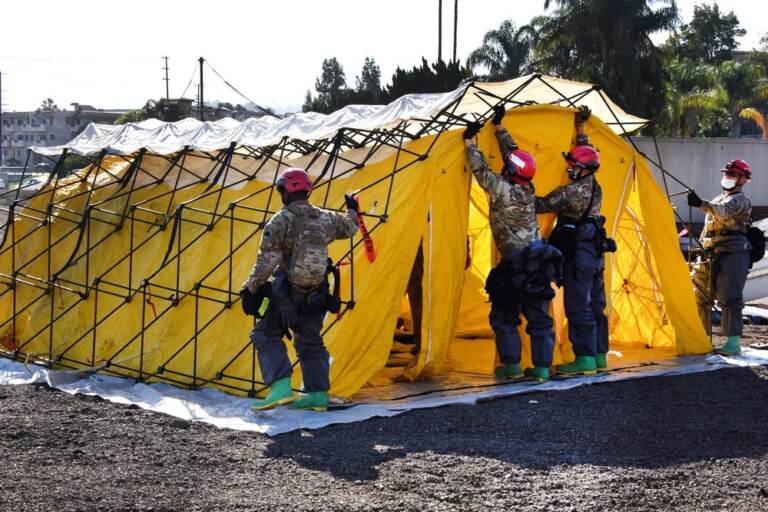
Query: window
x,y
18,122
52,137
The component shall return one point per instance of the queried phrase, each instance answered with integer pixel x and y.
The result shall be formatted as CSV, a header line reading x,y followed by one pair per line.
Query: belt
x,y
576,222
724,232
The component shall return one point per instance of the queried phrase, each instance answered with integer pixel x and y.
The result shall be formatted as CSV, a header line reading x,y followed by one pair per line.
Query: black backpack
x,y
757,240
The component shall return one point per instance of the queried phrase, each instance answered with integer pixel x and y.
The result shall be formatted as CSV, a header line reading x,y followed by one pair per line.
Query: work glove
x,y
583,114
472,130
350,200
286,313
251,302
498,114
248,301
694,199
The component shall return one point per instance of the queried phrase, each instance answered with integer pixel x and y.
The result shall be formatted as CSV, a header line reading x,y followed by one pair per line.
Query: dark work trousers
x,y
505,319
267,336
584,296
727,276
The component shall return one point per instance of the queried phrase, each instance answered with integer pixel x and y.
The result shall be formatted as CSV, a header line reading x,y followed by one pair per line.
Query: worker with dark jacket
x,y
515,231
722,271
294,245
580,236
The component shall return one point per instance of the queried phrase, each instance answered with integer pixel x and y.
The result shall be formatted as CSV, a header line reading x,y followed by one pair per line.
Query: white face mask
x,y
728,183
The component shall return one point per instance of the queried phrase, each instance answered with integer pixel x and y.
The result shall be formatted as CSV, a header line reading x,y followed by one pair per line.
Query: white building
x,y
20,130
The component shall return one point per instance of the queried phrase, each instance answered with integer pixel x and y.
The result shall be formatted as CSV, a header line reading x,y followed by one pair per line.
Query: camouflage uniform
x,y
512,216
295,242
583,275
726,263
514,226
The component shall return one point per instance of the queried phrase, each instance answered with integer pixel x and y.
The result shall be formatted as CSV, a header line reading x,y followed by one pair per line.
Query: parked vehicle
x,y
31,186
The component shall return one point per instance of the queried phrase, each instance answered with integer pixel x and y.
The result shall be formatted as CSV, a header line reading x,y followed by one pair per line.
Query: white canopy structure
x,y
415,113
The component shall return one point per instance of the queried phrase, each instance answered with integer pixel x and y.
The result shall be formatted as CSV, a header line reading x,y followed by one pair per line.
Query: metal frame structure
x,y
183,219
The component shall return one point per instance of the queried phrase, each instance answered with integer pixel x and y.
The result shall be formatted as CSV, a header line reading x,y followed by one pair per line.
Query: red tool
x,y
370,252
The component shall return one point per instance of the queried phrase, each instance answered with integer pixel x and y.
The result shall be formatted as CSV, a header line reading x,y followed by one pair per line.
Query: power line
x,y
246,98
189,84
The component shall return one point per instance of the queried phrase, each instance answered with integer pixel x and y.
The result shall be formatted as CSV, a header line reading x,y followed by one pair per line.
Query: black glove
x,y
351,202
583,114
286,313
248,302
498,114
694,199
472,130
251,302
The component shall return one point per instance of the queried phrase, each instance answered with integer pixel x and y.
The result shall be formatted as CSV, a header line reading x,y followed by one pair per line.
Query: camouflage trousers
x,y
721,279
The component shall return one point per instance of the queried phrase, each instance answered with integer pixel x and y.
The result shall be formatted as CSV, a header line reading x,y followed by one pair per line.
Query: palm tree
x,y
696,89
691,91
48,105
743,84
608,42
505,52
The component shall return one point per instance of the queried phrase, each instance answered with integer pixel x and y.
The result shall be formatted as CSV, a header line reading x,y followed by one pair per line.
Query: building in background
x,y
46,128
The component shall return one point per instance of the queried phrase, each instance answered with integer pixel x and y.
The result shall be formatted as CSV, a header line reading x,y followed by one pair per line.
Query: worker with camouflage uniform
x,y
724,267
294,245
515,229
578,235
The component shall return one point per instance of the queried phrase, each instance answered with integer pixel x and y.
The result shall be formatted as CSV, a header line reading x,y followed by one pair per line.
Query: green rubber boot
x,y
732,347
508,371
601,361
583,365
538,373
280,393
312,401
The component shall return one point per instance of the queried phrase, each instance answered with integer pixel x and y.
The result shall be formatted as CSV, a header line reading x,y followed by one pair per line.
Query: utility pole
x,y
167,96
439,30
455,25
200,96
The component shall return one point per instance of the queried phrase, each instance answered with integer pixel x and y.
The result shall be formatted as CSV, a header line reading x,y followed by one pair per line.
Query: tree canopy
x,y
711,35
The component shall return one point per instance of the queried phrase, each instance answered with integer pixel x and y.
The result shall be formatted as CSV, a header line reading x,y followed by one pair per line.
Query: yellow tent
x,y
132,265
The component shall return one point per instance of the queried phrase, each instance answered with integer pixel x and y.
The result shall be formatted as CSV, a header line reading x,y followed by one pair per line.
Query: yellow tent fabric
x,y
162,334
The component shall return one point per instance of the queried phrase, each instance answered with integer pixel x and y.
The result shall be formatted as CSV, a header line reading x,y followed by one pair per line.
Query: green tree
x,y
711,35
331,86
691,92
368,84
162,109
48,105
505,52
744,84
607,42
437,77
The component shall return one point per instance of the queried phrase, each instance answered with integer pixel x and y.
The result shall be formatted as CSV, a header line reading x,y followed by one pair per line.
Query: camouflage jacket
x,y
571,200
296,239
728,211
512,216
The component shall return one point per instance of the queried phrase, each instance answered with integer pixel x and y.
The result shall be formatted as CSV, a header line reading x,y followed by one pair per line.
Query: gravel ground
x,y
694,442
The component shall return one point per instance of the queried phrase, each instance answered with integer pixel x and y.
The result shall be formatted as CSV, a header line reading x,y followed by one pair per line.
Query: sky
x,y
109,54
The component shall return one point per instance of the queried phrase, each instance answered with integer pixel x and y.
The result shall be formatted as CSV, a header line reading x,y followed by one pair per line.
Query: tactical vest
x,y
306,246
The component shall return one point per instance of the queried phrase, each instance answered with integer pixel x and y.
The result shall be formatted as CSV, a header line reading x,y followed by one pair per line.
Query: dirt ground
x,y
694,442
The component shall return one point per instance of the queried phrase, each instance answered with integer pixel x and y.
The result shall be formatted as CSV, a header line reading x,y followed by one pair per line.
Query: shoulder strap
x,y
591,202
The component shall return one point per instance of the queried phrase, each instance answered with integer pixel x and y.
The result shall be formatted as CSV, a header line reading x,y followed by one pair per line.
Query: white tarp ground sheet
x,y
163,138
227,411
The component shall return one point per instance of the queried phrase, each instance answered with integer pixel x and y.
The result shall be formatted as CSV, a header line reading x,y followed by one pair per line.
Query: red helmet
x,y
583,157
520,165
739,167
294,180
